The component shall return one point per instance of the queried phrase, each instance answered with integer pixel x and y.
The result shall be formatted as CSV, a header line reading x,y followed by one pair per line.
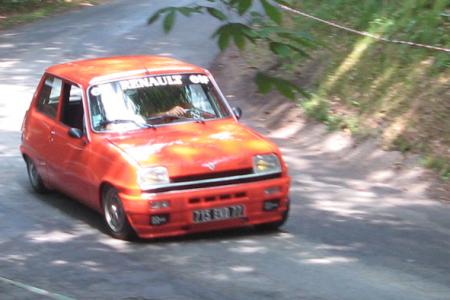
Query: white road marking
x,y
34,290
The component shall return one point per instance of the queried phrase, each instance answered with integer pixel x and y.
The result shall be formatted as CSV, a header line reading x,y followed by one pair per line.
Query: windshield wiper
x,y
199,119
119,121
197,115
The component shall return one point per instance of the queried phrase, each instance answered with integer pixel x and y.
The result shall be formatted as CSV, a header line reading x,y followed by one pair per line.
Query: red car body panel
x,y
79,167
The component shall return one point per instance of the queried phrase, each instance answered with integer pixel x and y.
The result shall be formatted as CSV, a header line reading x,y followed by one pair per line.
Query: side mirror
x,y
75,133
237,111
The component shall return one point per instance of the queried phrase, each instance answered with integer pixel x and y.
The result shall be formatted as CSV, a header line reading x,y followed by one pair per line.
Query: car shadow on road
x,y
73,208
215,235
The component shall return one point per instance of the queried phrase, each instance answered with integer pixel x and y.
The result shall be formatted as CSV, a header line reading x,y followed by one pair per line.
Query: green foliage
x,y
266,83
242,6
440,164
18,5
420,21
395,91
272,12
238,31
402,144
169,20
216,13
315,107
258,27
22,11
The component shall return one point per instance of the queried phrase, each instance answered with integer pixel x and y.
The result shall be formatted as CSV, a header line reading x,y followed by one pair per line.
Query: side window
x,y
49,96
72,106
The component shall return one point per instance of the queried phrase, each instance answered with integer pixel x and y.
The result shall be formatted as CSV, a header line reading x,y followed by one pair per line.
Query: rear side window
x,y
49,96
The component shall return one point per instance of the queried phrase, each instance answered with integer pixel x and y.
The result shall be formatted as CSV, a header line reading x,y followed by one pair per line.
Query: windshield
x,y
156,100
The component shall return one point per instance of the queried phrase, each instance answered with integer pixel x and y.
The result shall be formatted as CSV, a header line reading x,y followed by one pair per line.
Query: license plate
x,y
218,214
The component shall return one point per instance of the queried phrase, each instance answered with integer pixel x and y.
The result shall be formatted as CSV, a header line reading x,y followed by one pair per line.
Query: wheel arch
x,y
103,185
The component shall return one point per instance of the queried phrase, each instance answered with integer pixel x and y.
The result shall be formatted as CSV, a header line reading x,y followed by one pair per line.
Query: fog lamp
x,y
160,219
271,205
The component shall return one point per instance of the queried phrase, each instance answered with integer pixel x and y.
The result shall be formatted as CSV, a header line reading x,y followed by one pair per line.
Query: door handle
x,y
52,135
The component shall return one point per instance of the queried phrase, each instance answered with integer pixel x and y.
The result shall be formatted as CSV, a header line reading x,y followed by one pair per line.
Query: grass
x,y
440,164
400,93
15,12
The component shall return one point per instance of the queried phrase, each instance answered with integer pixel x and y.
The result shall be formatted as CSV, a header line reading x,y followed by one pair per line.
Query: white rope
x,y
364,33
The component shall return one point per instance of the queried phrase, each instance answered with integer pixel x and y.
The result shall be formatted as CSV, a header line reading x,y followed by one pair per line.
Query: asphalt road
x,y
350,236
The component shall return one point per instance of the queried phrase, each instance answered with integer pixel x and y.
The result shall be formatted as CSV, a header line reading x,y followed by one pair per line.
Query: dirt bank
x,y
285,122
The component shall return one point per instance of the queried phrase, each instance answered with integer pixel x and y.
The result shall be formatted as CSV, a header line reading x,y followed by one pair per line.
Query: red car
x,y
151,143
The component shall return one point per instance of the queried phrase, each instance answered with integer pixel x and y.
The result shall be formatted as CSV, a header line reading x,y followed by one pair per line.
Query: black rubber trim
x,y
212,184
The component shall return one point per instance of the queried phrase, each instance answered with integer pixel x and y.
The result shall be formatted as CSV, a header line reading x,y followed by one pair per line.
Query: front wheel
x,y
114,215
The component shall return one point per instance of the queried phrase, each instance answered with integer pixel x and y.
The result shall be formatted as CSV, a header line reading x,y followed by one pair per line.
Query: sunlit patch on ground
x,y
328,260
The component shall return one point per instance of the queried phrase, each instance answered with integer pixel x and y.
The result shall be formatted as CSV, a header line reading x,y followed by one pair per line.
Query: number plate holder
x,y
218,214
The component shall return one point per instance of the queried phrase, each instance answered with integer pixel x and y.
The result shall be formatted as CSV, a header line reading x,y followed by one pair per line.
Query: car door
x,y
40,123
69,164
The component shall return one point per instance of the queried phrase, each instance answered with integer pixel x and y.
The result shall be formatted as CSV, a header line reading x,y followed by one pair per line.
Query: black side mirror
x,y
237,111
75,133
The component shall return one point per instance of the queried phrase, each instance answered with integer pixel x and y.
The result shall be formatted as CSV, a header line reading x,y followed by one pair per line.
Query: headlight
x,y
268,163
149,177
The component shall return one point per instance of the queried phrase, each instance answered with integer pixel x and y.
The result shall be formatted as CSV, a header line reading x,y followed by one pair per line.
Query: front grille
x,y
221,197
226,181
212,175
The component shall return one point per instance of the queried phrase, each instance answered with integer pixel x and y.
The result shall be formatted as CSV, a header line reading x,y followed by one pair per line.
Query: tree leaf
x,y
157,14
169,21
263,82
299,38
285,88
243,6
224,39
186,11
239,39
216,13
272,12
282,2
280,49
154,18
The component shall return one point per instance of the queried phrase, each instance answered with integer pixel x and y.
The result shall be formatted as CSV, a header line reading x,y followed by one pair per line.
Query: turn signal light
x,y
159,204
272,190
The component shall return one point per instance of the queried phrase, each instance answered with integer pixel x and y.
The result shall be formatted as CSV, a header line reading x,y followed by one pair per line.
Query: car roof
x,y
97,70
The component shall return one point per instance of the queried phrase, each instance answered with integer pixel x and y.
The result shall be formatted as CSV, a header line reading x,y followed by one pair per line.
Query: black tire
x,y
34,177
275,225
115,218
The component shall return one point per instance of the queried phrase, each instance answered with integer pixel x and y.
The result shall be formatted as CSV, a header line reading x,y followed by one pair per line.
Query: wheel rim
x,y
114,214
33,174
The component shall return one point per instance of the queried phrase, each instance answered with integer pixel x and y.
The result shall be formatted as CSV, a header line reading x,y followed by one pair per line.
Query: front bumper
x,y
183,203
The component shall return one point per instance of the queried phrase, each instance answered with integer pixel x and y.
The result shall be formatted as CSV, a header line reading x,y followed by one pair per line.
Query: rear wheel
x,y
115,217
34,177
275,225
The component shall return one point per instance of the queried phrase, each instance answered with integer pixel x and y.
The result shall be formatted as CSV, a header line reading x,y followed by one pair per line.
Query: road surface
x,y
349,235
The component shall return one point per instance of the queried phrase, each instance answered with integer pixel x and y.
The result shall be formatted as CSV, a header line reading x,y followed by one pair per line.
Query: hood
x,y
195,148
